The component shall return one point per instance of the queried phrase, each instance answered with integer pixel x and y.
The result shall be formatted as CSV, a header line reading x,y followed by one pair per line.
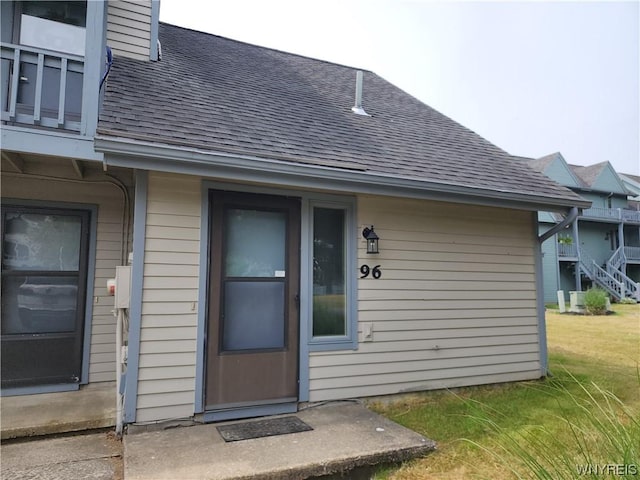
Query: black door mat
x,y
262,428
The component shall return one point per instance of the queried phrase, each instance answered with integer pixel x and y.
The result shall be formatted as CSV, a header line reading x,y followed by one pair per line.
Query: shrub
x,y
595,301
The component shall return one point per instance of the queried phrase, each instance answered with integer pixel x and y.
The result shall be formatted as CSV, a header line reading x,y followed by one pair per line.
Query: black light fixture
x,y
372,239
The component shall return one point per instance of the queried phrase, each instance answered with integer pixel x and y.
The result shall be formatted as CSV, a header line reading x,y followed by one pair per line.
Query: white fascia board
x,y
148,156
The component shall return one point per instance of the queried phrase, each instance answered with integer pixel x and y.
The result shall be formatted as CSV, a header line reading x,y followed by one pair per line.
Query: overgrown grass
x,y
547,427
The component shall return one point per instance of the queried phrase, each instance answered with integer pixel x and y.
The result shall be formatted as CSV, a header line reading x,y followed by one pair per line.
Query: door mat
x,y
262,428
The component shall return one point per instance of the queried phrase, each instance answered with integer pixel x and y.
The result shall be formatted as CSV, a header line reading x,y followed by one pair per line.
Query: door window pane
x,y
329,305
253,315
32,304
41,242
255,243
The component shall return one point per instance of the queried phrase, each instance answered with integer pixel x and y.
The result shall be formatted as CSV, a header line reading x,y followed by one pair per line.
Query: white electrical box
x,y
123,287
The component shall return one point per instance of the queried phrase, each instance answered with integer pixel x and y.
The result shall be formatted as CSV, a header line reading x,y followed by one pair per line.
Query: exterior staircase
x,y
615,266
612,279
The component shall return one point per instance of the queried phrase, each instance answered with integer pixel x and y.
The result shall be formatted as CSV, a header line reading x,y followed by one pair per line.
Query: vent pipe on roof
x,y
357,108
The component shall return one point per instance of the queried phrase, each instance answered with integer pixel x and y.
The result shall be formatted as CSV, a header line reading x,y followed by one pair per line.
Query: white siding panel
x,y
129,28
109,242
455,304
166,381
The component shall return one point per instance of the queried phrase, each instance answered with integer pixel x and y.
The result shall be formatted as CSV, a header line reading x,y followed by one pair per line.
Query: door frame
x,y
306,280
216,357
90,294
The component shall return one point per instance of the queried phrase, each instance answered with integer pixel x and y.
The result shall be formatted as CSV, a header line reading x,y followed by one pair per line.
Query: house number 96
x,y
375,272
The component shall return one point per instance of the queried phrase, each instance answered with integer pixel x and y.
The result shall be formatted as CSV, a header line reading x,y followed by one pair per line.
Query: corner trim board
x,y
542,326
135,313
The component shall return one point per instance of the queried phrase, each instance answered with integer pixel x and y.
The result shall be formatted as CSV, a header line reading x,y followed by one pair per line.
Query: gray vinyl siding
x,y
129,28
559,171
166,382
109,201
455,304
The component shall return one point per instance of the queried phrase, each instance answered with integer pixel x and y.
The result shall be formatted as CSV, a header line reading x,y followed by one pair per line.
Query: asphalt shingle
x,y
223,95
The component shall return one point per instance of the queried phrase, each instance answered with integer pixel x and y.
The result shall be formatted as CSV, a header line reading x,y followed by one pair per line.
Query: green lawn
x,y
604,350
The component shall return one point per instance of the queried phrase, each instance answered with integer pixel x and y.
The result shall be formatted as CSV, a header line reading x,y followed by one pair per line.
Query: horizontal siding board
x,y
150,414
417,376
454,333
443,304
151,270
170,281
163,321
372,358
167,346
440,343
130,28
168,308
423,366
167,359
167,385
170,295
168,245
414,325
447,314
389,389
403,295
172,258
126,49
179,372
451,266
119,13
165,399
163,220
172,233
138,6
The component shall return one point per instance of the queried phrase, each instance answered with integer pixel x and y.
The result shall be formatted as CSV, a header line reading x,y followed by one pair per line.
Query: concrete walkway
x,y
345,436
95,456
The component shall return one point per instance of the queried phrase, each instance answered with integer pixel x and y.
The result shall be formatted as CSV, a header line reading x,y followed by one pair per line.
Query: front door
x,y
252,328
44,274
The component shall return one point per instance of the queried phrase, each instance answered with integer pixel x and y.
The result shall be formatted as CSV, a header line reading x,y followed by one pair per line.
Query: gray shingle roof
x,y
222,95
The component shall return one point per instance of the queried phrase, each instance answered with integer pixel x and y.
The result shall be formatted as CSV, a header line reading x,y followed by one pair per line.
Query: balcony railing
x,y
615,214
41,88
632,253
567,250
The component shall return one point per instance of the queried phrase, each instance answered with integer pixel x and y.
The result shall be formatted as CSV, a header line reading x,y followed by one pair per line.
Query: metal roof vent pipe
x,y
357,108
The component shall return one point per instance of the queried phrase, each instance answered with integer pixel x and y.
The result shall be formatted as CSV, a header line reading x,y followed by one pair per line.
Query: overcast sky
x,y
532,77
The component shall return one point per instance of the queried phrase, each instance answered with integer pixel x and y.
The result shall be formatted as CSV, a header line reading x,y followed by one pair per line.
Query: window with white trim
x,y
333,299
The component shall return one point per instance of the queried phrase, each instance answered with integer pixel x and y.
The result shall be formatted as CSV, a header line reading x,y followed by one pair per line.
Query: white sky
x,y
532,77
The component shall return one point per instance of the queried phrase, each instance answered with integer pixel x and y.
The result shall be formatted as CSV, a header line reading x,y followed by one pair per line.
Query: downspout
x,y
542,327
573,214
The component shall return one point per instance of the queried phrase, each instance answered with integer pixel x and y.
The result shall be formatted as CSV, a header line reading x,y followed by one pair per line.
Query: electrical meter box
x,y
123,287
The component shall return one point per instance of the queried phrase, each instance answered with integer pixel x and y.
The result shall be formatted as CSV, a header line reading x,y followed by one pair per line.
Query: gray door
x,y
252,329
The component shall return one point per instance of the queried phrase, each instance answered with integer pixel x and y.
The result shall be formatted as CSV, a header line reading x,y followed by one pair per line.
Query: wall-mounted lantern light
x,y
372,239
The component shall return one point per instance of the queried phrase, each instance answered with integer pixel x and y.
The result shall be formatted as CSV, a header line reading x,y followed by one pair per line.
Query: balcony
x,y
566,250
41,88
632,254
612,215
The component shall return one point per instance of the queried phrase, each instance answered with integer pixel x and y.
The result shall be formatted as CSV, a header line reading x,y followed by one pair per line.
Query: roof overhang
x,y
125,152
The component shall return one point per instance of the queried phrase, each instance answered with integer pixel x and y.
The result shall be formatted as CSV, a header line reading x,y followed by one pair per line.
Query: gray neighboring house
x,y
244,181
602,246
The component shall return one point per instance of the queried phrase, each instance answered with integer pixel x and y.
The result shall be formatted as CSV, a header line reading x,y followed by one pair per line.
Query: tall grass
x,y
601,438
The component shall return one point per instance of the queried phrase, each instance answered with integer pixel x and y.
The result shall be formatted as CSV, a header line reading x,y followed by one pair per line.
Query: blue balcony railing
x,y
41,88
612,214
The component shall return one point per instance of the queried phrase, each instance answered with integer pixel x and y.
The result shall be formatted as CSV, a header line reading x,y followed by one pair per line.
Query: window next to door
x,y
333,309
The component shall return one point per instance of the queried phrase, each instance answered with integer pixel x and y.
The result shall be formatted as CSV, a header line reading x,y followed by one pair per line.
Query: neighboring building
x,y
242,180
602,246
